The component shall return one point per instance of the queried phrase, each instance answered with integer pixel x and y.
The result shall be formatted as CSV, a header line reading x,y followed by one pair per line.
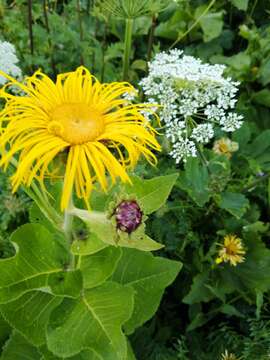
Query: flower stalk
x,y
127,47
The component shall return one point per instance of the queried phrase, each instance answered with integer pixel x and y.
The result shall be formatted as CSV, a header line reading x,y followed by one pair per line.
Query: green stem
x,y
127,49
67,227
151,38
68,221
256,182
193,25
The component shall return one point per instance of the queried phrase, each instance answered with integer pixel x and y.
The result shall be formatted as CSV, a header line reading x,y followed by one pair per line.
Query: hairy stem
x,y
127,47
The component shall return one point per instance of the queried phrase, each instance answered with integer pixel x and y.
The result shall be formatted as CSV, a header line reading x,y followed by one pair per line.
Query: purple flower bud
x,y
128,216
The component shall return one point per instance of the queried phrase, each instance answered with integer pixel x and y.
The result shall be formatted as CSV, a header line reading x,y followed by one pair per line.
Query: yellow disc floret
x,y
231,251
76,123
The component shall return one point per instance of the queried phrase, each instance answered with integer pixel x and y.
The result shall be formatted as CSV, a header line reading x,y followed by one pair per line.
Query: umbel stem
x,y
127,49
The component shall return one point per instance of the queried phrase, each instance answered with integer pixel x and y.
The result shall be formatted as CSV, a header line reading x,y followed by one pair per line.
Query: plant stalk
x,y
151,37
68,221
30,26
127,48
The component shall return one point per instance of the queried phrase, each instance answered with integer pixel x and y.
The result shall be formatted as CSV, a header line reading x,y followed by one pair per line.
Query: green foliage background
x,y
208,308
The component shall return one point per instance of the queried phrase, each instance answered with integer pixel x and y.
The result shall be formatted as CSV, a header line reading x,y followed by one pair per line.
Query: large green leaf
x,y
87,354
94,321
235,203
149,276
5,331
88,246
98,267
30,314
195,181
18,348
199,290
38,255
211,22
153,193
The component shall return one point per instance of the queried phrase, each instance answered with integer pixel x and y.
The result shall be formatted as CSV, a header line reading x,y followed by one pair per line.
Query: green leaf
x,y
66,283
99,267
199,290
153,193
262,97
240,4
17,347
30,314
231,310
235,203
149,276
264,72
106,232
38,255
84,355
211,23
88,246
94,321
195,181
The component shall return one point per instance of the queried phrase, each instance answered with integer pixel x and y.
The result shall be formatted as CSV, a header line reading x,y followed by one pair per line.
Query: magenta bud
x,y
128,216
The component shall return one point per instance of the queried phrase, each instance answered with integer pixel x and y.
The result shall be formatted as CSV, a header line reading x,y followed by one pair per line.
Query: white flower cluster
x,y
8,61
195,98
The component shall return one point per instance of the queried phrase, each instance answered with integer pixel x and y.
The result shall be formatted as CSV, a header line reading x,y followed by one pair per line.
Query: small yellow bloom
x,y
225,146
101,132
227,356
232,251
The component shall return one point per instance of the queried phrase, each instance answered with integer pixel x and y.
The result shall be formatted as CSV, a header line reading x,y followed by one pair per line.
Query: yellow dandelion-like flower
x,y
228,356
232,251
102,132
225,146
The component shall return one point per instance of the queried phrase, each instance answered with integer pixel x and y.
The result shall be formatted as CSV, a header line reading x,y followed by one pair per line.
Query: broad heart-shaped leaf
x,y
153,193
195,181
94,321
17,347
106,232
30,314
98,267
149,276
235,203
38,254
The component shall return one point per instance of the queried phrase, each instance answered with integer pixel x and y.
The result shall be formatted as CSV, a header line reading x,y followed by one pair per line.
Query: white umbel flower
x,y
203,133
8,61
195,97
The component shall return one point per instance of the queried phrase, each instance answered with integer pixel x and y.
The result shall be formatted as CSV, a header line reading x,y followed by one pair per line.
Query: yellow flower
x,y
101,132
227,356
232,251
225,146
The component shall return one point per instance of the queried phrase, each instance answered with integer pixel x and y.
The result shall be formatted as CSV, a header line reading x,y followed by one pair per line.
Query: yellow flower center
x,y
76,123
232,249
223,147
